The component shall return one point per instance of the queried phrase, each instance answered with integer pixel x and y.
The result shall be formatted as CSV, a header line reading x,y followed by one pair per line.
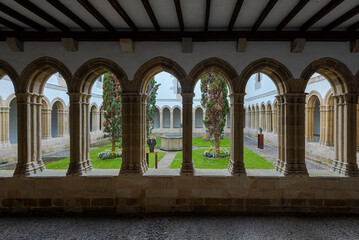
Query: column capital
x,y
294,97
187,97
77,96
128,97
237,97
345,98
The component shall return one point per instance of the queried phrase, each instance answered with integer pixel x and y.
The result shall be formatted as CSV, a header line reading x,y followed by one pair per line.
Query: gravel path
x,y
186,227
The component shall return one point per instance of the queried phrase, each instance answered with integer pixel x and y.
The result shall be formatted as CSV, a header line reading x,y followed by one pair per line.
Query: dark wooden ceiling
x,y
165,20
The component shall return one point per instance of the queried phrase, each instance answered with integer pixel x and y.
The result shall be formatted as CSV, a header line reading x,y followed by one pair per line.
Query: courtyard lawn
x,y
251,161
198,142
98,163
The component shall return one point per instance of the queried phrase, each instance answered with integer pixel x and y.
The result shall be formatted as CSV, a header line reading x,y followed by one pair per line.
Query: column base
x,y
346,169
41,164
27,169
79,168
236,169
187,169
295,169
279,166
133,169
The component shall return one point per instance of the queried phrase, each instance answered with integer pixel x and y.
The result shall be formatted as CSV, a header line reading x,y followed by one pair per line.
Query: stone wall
x,y
146,194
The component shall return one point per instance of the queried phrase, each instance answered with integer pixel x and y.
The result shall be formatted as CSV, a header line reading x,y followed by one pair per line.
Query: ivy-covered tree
x,y
214,99
151,105
112,109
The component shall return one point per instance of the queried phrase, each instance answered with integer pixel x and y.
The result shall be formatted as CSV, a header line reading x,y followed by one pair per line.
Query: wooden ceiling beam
x,y
12,13
300,5
177,36
42,14
96,14
353,27
346,16
264,14
67,12
206,19
10,25
179,14
115,4
320,14
235,13
151,14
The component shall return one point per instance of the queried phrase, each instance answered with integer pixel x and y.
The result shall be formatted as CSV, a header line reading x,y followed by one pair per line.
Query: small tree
x,y
151,105
113,109
214,99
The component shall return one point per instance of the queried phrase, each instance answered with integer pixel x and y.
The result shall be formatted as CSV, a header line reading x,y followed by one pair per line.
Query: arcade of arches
x,y
137,188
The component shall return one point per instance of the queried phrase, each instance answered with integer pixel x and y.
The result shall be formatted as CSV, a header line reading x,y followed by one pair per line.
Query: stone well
x,y
171,142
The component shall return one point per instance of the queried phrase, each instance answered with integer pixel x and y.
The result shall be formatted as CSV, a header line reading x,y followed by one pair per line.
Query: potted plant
x,y
152,143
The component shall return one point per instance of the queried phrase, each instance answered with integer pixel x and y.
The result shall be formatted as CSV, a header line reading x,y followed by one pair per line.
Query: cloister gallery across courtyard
x,y
291,69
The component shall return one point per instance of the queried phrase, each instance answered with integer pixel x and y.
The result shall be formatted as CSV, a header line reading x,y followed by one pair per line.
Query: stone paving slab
x,y
214,226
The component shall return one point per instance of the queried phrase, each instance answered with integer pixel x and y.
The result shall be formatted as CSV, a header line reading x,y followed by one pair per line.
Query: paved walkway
x,y
167,160
182,227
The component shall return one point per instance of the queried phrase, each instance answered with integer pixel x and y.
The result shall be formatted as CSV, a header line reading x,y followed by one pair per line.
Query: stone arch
x,y
337,73
8,100
157,117
47,102
7,69
93,120
311,98
59,101
328,99
57,123
87,74
153,67
269,106
36,74
275,70
216,65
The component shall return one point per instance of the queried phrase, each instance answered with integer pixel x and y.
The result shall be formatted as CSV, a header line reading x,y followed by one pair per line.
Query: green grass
x,y
251,161
198,142
101,164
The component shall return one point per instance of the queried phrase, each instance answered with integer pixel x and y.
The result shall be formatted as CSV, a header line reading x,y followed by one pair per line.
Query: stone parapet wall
x,y
196,132
153,194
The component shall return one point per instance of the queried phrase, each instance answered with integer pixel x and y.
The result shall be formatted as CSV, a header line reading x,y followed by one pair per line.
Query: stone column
x,y
274,121
257,120
46,123
329,126
268,121
4,124
161,118
38,132
95,121
103,119
345,127
27,135
357,127
280,124
262,119
322,111
309,124
236,164
132,134
253,117
60,122
79,160
248,119
294,132
171,118
66,122
187,163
